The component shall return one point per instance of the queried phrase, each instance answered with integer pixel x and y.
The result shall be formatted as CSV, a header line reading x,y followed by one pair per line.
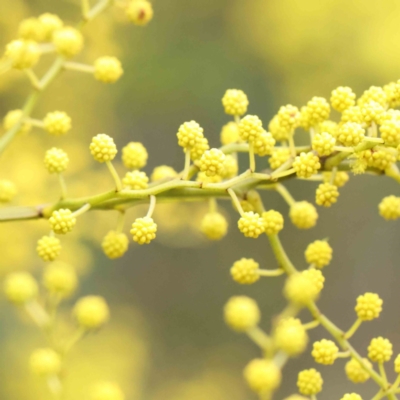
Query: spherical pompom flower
x,y
140,12
189,133
262,375
380,350
56,160
382,158
115,244
372,112
7,191
45,362
134,155
250,128
103,148
374,93
57,123
91,312
20,287
241,313
351,396
323,143
389,208
279,132
23,54
342,98
300,289
329,126
290,336
318,110
303,215
107,69
369,306
397,364
235,102
316,277
231,167
212,162
68,41
306,165
135,180
351,133
230,133
264,144
251,224
245,271
60,279
201,146
289,117
144,230
326,194
352,114
309,382
163,172
214,225
355,372
278,157
13,117
106,391
325,352
50,23
62,221
48,248
273,222
390,132
31,29
319,253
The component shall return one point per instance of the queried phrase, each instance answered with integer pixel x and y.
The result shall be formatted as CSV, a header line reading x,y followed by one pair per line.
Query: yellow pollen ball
x,y
235,102
115,244
309,382
144,230
91,312
245,271
68,41
140,12
45,362
241,313
20,287
262,375
380,350
214,226
107,69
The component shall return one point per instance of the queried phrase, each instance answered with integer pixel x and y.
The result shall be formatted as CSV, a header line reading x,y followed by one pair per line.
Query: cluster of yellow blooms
x,y
366,139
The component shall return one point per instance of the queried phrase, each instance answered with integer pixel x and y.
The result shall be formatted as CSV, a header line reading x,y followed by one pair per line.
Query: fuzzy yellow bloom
x,y
369,306
20,287
319,253
115,244
389,207
230,133
273,222
91,312
355,372
323,143
374,93
202,177
235,102
390,132
48,248
351,134
12,118
326,194
251,224
380,350
300,289
290,336
340,179
303,215
318,110
241,313
392,91
50,23
60,279
264,144
56,160
45,362
372,112
306,165
397,364
315,276
325,352
201,146
245,271
278,132
163,172
352,114
329,126
107,69
135,180
309,382
189,133
231,167
342,98
106,391
289,117
351,396
214,225
62,221
250,128
68,41
278,157
144,230
103,148
23,54
134,155
140,12
382,158
8,191
57,123
31,29
212,162
262,375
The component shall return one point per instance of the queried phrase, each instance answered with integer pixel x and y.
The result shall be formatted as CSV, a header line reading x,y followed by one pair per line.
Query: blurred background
x,y
167,339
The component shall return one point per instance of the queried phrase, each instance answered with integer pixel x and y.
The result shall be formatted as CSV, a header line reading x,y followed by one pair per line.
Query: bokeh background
x,y
167,339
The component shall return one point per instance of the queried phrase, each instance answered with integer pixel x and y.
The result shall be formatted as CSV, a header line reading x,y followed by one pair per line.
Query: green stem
x,y
252,158
115,176
63,186
353,328
259,337
151,207
270,272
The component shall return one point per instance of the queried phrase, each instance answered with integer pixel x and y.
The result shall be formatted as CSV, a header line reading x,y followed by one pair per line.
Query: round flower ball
x,y
103,148
144,230
56,160
262,375
45,362
241,313
57,123
235,102
107,69
91,312
115,244
68,41
245,271
48,248
134,155
140,12
214,225
20,287
60,279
